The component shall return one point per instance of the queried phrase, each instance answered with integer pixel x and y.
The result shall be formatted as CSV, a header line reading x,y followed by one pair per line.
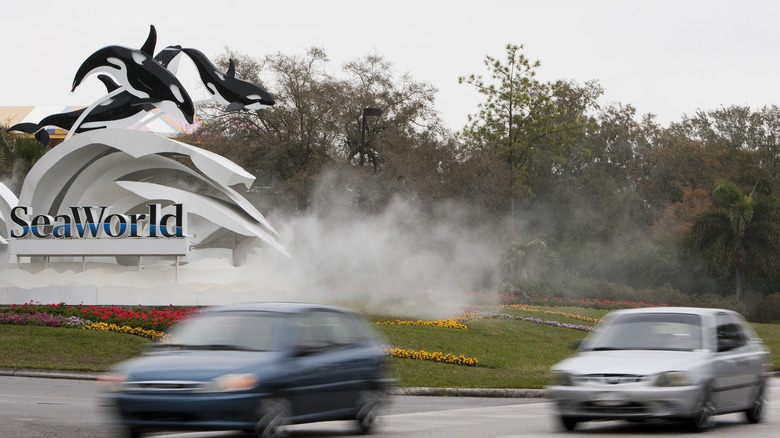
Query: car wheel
x,y
569,423
273,415
753,413
131,432
705,411
369,405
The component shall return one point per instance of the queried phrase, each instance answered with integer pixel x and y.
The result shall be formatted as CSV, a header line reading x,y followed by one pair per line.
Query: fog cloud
x,y
404,259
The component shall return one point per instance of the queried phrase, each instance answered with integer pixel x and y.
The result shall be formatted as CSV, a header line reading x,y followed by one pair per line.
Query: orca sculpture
x,y
141,75
121,110
146,82
226,88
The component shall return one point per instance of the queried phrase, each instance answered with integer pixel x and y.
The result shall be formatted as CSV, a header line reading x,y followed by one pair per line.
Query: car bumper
x,y
604,403
215,411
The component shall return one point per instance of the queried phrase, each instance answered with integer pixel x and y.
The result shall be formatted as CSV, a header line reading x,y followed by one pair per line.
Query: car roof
x,y
686,310
277,307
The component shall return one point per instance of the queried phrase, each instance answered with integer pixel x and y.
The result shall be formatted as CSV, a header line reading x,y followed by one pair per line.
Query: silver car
x,y
665,362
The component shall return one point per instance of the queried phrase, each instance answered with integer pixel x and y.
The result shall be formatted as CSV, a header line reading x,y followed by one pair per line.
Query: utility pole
x,y
367,112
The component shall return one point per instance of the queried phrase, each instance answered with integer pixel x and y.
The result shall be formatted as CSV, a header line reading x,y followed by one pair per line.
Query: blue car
x,y
254,368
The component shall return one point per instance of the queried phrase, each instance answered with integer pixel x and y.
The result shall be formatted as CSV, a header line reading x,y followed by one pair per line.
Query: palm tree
x,y
6,152
525,260
739,234
17,156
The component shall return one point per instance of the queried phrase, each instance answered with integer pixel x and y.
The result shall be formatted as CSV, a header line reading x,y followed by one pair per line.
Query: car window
x,y
651,331
243,330
729,332
323,328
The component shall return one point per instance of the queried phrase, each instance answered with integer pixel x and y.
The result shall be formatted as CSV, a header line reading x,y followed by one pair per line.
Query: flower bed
x,y
104,327
151,323
584,328
580,302
42,319
446,323
436,356
146,318
488,315
551,312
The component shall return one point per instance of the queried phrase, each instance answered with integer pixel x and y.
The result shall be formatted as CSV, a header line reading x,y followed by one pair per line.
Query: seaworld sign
x,y
96,231
95,222
102,191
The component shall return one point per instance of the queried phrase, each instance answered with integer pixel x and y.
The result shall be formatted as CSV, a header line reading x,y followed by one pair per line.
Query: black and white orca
x,y
166,56
119,111
226,88
141,75
32,128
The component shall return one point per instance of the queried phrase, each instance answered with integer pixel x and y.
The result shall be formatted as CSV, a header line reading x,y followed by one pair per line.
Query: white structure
x,y
110,191
108,167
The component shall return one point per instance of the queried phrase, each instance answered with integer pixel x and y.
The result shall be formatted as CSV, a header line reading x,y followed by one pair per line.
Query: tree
x,y
316,126
740,235
748,142
6,153
18,154
671,163
523,118
528,260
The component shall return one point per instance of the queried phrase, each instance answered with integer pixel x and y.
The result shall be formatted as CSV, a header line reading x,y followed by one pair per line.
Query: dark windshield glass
x,y
228,330
650,331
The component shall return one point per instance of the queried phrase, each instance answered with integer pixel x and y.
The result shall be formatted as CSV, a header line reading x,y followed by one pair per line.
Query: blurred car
x,y
663,363
254,368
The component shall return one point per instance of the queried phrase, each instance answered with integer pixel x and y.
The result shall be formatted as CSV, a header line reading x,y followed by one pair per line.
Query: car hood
x,y
196,365
638,362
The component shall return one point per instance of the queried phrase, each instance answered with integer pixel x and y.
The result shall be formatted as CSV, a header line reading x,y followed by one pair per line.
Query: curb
x,y
411,391
49,374
469,392
393,390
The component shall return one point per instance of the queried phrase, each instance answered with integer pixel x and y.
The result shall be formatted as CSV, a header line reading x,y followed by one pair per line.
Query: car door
x,y
331,353
736,364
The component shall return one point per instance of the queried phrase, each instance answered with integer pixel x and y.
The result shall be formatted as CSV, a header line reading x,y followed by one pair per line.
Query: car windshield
x,y
650,331
227,331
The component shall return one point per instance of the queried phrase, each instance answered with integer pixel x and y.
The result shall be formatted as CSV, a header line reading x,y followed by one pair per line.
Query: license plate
x,y
608,399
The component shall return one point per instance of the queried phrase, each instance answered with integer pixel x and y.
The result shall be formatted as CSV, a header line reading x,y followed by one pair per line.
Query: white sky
x,y
666,57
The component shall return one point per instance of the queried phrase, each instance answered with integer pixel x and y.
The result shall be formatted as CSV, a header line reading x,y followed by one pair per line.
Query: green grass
x,y
56,348
512,353
770,333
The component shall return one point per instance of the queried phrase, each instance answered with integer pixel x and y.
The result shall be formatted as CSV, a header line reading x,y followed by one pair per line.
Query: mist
x,y
406,260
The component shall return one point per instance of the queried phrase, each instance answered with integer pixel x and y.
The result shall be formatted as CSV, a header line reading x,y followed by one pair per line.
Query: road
x,y
39,407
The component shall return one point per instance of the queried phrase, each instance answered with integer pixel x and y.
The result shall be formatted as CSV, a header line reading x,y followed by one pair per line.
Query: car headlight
x,y
560,378
232,382
673,378
111,382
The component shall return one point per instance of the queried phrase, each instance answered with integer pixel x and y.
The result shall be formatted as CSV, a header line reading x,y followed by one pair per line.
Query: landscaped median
x,y
76,316
459,323
505,347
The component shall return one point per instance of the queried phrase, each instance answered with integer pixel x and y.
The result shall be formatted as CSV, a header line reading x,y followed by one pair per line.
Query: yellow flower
x,y
446,323
104,327
436,356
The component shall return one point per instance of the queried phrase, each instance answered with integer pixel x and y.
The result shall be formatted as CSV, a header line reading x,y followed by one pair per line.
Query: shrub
x,y
762,308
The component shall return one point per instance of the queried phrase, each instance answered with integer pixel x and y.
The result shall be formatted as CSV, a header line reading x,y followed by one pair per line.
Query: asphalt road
x,y
41,407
